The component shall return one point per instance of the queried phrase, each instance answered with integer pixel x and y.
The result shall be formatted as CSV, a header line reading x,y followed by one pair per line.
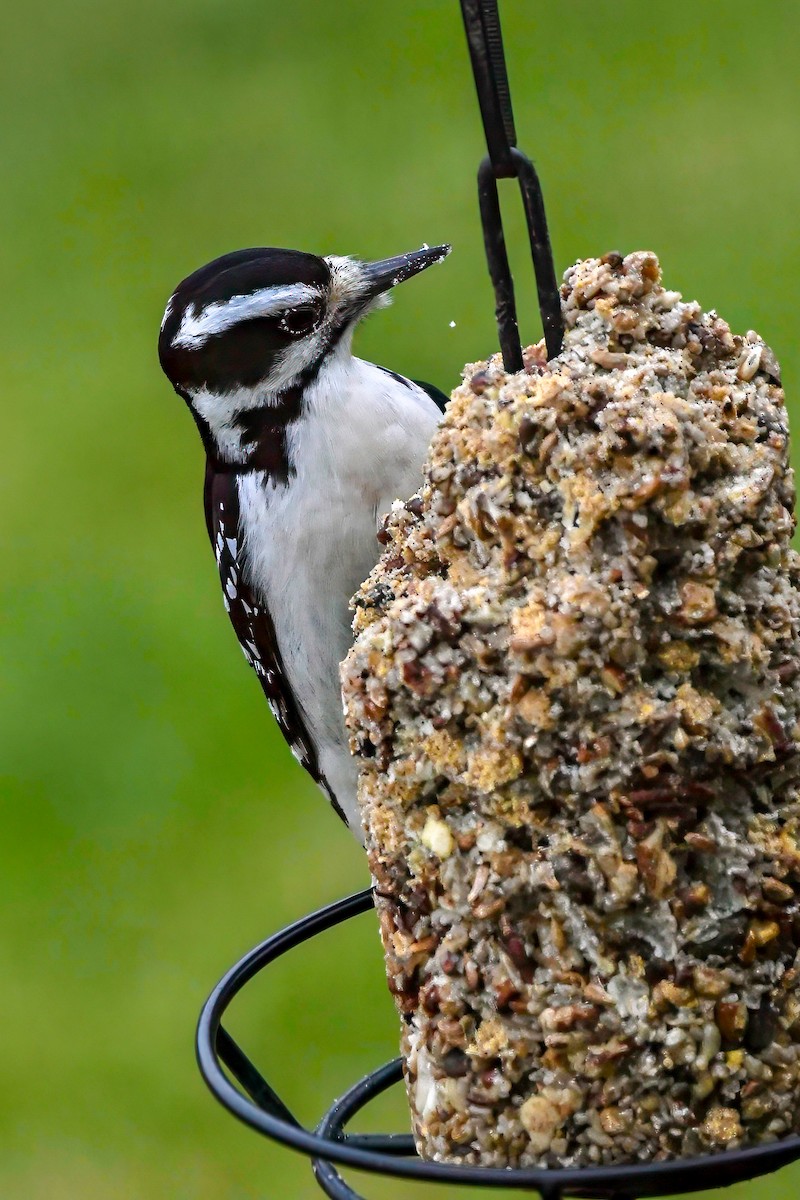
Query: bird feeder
x,y
232,1077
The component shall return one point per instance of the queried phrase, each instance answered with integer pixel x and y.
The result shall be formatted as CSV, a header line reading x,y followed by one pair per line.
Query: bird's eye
x,y
299,321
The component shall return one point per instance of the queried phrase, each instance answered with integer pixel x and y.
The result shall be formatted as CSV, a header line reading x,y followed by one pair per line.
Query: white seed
x,y
436,836
749,363
541,1119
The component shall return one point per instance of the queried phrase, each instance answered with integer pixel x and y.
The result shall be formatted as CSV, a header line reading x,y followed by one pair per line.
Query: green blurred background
x,y
154,826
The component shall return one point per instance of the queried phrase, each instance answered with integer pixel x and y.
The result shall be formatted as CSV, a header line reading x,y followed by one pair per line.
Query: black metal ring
x,y
497,259
384,1155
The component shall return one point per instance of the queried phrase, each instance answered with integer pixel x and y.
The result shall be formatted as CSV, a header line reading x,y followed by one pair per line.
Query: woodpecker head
x,y
254,325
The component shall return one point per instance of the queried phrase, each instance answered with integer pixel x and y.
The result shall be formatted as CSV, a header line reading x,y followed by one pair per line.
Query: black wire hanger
x,y
506,161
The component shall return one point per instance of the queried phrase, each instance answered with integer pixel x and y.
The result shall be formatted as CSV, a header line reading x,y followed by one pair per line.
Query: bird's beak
x,y
384,274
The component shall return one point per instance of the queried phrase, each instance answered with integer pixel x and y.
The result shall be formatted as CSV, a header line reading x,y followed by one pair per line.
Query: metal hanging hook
x,y
506,161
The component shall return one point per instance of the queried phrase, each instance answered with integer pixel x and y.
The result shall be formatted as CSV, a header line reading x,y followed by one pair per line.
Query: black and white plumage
x,y
306,448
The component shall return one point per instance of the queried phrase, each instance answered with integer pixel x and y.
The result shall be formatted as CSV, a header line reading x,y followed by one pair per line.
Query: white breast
x,y
358,446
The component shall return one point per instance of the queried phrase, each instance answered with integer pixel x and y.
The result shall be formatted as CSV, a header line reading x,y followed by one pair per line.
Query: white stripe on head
x,y
167,313
197,327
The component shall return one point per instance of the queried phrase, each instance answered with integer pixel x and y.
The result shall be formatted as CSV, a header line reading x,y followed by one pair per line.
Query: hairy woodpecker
x,y
306,448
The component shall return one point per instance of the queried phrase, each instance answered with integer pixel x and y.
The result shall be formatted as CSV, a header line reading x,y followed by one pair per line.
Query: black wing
x,y
252,622
438,398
